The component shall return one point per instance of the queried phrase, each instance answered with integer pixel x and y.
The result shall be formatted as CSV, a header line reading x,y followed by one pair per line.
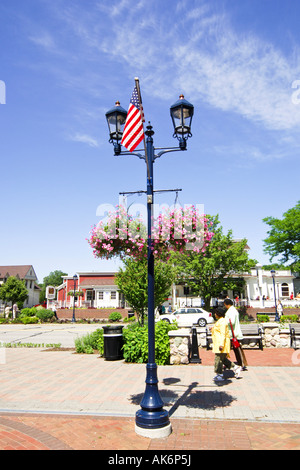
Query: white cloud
x,y
244,76
206,58
191,50
84,139
45,40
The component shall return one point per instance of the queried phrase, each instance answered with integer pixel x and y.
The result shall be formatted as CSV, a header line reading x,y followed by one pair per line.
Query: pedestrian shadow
x,y
190,398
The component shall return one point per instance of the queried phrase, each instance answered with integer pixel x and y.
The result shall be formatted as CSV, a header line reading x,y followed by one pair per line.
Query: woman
x,y
221,347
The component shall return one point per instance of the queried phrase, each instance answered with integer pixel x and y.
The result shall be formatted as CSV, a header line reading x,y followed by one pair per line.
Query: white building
x,y
27,274
258,291
260,287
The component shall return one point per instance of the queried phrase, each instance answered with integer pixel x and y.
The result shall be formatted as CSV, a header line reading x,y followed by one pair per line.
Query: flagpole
x,y
137,84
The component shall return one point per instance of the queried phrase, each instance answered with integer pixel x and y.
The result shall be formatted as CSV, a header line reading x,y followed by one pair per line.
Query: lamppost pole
x,y
274,289
74,279
151,420
150,202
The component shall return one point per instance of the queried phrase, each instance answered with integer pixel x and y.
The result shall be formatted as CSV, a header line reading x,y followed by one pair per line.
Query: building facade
x,y
99,290
262,290
92,290
27,274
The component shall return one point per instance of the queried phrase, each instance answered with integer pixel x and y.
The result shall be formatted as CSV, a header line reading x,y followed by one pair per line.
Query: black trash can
x,y
113,342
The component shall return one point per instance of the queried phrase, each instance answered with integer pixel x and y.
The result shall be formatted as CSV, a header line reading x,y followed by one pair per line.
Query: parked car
x,y
188,317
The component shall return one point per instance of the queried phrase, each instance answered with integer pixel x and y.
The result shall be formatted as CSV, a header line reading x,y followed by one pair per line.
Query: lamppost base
x,y
157,433
152,417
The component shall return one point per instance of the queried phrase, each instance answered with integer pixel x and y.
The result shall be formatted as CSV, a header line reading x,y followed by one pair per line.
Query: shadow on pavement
x,y
191,398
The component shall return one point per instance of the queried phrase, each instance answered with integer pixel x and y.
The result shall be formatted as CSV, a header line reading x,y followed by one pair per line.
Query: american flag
x,y
133,131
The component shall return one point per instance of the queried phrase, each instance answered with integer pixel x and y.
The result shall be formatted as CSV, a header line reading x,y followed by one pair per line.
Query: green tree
x,y
283,239
53,279
14,291
219,268
276,266
133,283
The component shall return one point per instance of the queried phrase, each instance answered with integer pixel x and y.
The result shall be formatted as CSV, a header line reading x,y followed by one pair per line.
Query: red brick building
x,y
93,289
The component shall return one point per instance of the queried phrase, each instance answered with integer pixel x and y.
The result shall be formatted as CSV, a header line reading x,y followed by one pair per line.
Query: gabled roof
x,y
16,271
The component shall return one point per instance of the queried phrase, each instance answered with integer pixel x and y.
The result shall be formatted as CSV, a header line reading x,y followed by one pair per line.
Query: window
x,y
113,295
89,295
101,295
284,289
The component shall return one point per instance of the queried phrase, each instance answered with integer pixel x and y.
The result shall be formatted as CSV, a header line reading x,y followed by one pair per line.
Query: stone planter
x,y
179,346
275,337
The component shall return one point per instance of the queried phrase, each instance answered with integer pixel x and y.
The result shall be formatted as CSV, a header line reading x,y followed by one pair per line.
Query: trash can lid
x,y
111,329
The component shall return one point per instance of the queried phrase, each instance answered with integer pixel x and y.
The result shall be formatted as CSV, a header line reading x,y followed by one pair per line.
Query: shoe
x,y
237,372
218,378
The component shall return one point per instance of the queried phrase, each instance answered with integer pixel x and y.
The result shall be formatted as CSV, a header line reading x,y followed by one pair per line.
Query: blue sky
x,y
65,63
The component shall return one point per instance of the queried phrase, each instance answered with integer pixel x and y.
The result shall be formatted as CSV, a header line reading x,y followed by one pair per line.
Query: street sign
x,y
50,292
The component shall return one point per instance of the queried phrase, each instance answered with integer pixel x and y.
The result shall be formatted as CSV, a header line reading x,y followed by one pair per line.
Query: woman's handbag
x,y
235,343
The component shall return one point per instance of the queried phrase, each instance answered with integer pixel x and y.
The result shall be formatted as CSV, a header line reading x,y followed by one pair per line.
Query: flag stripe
x,y
135,142
133,130
132,122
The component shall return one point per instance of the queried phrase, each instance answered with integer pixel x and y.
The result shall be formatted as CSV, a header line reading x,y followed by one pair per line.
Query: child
x,y
221,346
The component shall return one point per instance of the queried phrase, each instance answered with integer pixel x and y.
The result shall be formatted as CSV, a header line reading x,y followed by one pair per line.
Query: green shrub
x,y
28,320
135,348
89,342
129,319
115,316
288,318
28,312
44,315
100,342
262,318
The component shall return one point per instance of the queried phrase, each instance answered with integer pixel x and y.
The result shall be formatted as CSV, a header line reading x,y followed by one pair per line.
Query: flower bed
x,y
90,313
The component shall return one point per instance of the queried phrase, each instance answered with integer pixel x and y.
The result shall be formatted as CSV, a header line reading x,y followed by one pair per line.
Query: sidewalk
x,y
61,400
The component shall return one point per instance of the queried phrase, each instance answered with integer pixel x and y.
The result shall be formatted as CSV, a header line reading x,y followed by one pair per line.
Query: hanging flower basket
x,y
77,293
174,230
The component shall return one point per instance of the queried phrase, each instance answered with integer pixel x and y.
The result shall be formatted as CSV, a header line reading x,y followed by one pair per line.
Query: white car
x,y
188,317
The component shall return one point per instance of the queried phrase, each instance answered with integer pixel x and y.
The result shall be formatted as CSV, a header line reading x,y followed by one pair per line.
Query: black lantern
x,y
116,118
182,113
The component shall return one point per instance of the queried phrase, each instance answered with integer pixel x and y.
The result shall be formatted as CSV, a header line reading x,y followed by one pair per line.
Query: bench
x,y
249,332
295,334
253,332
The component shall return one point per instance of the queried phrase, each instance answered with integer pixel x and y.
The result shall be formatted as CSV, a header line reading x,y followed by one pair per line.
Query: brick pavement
x,y
60,400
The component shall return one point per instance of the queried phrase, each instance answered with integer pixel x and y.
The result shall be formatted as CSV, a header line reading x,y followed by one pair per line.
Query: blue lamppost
x,y
75,277
152,420
273,276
